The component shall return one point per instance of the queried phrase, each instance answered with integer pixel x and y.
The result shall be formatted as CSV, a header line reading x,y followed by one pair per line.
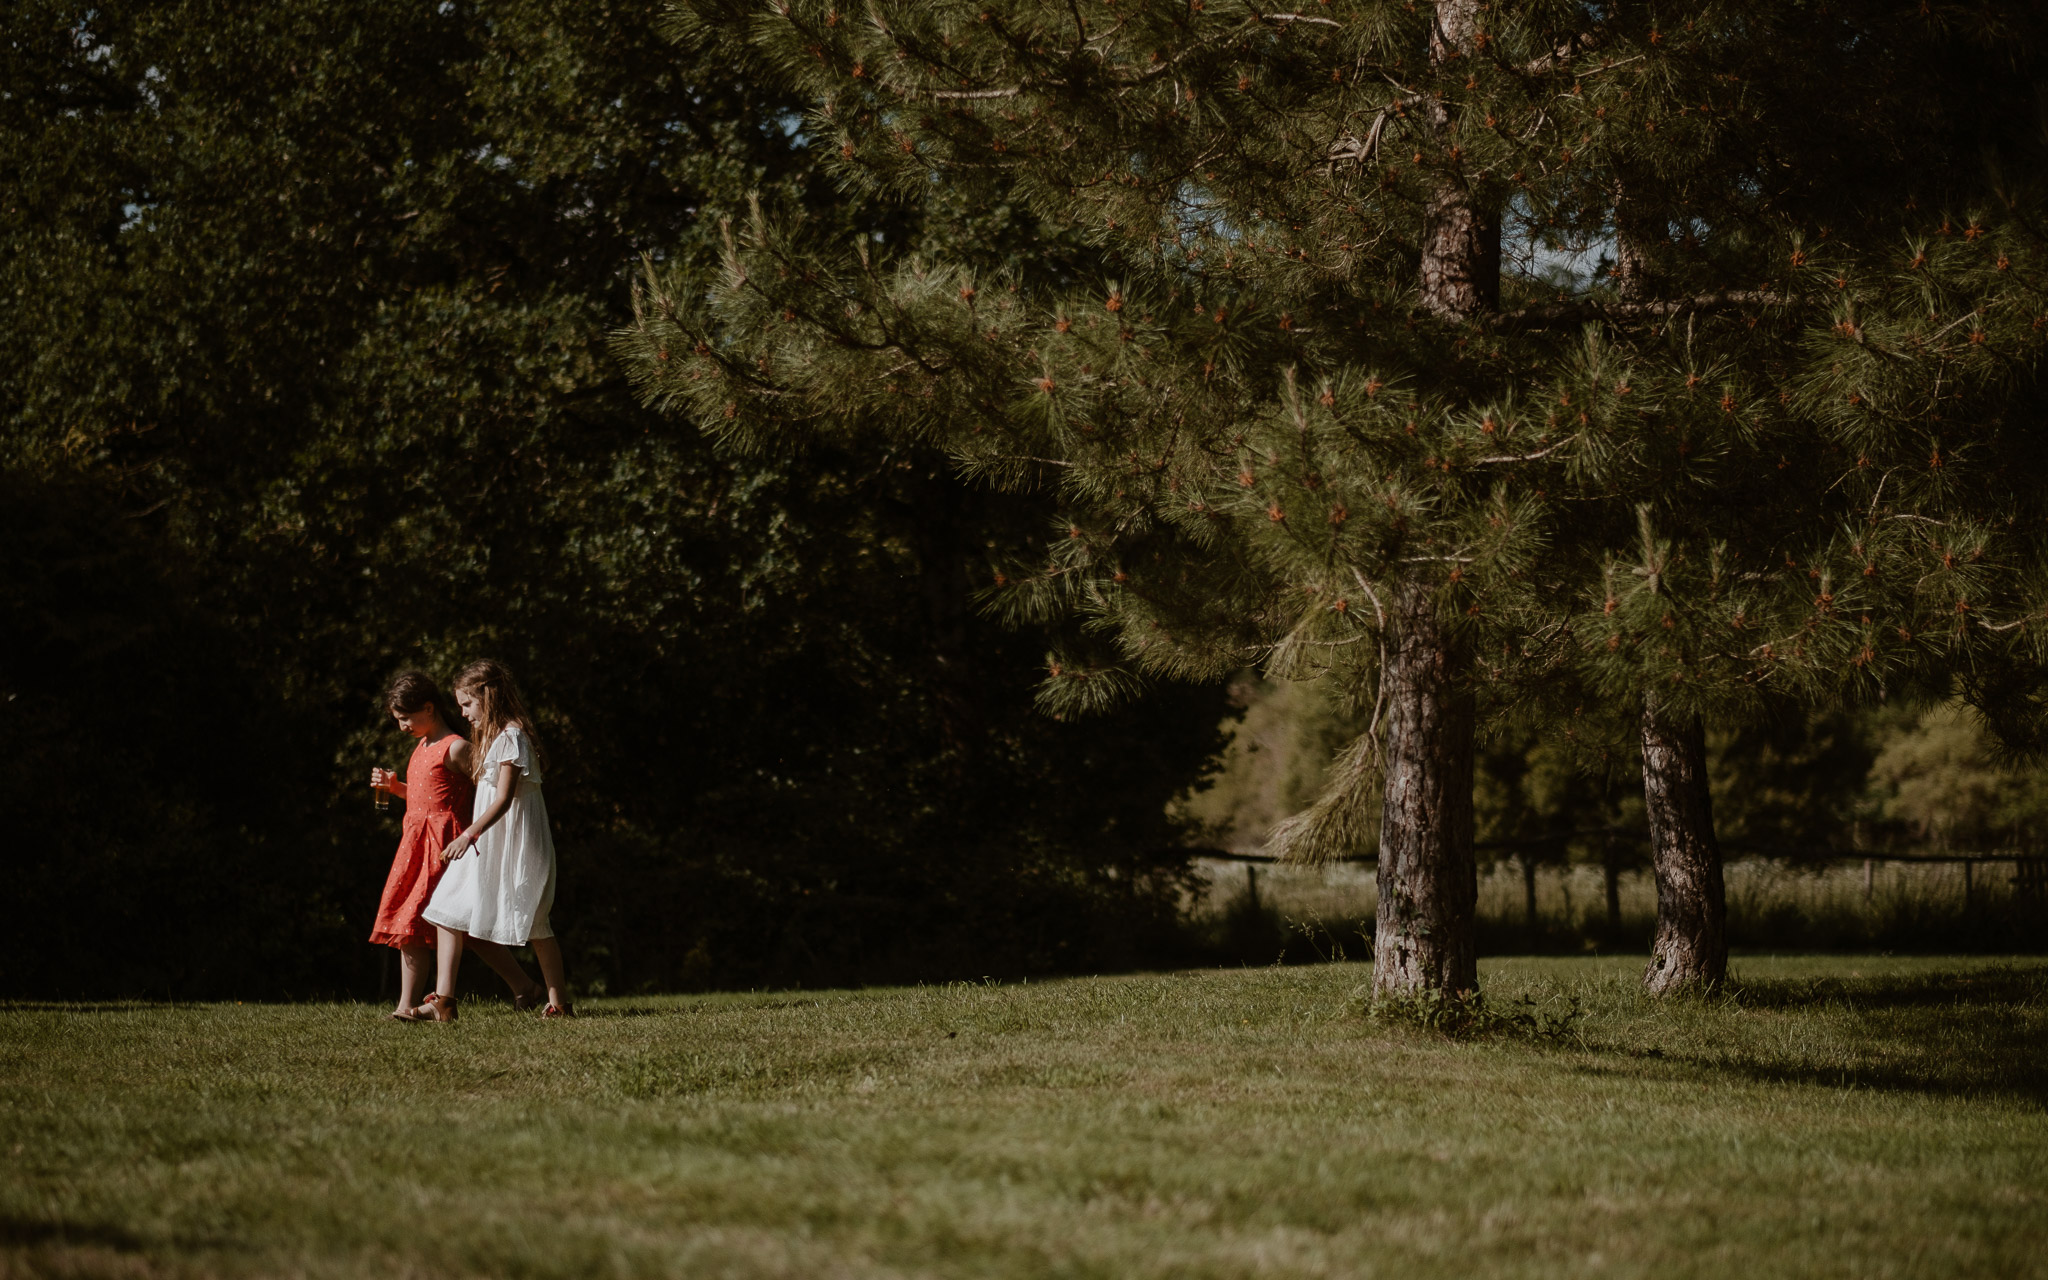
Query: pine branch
x,y
1343,816
1583,42
1523,457
1352,147
1547,314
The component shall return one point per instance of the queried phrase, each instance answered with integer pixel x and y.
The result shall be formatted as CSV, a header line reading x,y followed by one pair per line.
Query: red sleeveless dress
x,y
437,809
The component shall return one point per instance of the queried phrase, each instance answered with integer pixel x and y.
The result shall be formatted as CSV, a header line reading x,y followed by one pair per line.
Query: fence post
x,y
1969,868
1869,877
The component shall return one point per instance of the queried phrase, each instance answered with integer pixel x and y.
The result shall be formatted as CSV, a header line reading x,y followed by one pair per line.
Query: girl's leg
x,y
549,953
412,964
447,960
501,960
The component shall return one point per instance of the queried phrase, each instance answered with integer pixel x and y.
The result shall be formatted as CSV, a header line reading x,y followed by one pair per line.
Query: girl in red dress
x,y
437,791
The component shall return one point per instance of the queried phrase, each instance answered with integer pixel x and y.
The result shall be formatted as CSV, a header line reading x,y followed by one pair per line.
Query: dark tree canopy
x,y
303,379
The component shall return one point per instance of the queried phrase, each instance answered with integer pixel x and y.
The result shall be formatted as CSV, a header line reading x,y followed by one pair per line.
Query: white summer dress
x,y
502,890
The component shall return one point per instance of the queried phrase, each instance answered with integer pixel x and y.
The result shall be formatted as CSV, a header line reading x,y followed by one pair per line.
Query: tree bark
x,y
1460,273
1460,255
1428,878
1690,951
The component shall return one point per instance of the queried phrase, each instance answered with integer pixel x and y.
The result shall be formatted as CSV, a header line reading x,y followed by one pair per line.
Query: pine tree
x,y
1293,409
1805,580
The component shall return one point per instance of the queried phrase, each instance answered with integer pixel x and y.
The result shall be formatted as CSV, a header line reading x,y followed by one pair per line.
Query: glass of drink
x,y
383,799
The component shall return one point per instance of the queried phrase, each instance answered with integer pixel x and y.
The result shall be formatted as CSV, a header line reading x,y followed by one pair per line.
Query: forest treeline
x,y
1914,777
878,444
304,309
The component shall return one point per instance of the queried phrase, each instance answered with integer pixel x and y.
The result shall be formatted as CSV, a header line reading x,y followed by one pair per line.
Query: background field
x,y
1256,914
1842,1116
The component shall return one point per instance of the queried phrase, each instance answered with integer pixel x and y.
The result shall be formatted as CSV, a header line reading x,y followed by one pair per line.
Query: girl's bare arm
x,y
508,786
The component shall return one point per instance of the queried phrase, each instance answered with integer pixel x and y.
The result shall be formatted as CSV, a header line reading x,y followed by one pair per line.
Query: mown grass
x,y
1826,1117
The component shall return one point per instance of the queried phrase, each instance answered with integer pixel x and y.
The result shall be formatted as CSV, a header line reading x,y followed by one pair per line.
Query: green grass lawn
x,y
1834,1116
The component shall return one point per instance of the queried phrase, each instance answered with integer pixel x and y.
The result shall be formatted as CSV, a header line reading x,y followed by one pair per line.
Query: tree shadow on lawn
x,y
19,1232
2014,985
1975,1032
34,1234
88,1006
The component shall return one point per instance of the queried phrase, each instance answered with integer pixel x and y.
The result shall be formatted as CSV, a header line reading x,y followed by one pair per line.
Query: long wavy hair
x,y
413,691
498,704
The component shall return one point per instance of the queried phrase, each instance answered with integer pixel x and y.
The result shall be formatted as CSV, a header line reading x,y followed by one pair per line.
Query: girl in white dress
x,y
504,892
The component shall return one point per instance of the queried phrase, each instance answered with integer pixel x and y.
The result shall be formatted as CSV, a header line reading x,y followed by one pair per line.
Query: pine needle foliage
x,y
1256,388
1289,385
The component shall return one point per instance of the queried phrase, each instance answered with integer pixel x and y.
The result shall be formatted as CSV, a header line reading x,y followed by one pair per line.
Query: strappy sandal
x,y
523,1003
557,1011
402,1015
437,1008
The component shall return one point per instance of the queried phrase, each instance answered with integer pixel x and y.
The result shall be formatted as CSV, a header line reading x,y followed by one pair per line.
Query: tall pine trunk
x,y
1428,879
1691,947
1460,270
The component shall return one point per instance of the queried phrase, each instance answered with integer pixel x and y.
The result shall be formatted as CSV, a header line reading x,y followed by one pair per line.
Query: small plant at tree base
x,y
1467,1015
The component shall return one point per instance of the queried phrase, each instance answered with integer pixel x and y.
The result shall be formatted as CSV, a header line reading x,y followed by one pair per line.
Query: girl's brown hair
x,y
413,691
498,704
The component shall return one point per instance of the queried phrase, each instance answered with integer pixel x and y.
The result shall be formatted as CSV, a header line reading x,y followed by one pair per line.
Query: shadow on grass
x,y
2004,984
25,1231
84,1006
1958,1033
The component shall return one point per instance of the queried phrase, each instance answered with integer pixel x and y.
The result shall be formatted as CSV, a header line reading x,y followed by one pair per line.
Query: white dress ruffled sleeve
x,y
503,890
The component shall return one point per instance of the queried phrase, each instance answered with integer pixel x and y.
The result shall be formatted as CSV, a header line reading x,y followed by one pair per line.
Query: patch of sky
x,y
1570,267
1198,211
136,207
1569,263
791,123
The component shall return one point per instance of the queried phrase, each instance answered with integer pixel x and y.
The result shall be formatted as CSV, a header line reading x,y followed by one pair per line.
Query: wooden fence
x,y
2029,876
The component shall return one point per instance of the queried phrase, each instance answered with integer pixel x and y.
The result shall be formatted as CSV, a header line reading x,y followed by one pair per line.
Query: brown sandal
x,y
558,1011
403,1015
522,1003
437,1008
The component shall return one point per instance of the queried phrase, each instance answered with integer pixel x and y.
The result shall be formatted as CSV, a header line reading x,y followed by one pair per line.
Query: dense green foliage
x,y
1839,1116
1801,789
1298,416
302,379
1263,431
